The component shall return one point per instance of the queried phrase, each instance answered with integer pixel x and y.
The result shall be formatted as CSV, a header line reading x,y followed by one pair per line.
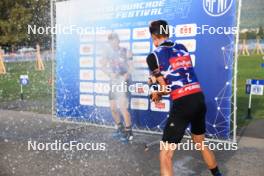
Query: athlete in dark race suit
x,y
171,67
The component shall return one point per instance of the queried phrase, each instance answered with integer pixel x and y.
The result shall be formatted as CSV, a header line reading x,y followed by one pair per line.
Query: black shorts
x,y
187,110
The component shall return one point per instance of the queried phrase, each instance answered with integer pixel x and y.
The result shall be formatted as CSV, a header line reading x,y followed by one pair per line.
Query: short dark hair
x,y
159,28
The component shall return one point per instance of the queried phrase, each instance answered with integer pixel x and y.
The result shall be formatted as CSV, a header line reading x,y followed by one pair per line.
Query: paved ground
x,y
43,107
17,128
255,129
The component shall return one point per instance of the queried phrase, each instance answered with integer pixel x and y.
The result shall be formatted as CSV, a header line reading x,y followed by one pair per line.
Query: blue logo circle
x,y
217,7
24,81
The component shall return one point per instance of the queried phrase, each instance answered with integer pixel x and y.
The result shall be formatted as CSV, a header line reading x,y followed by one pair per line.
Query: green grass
x,y
39,90
249,68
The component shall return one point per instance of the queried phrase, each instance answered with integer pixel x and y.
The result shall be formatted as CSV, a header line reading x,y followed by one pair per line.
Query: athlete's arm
x,y
156,77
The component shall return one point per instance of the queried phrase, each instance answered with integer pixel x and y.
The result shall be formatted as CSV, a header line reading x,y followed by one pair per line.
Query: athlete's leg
x,y
123,105
172,135
208,155
198,130
166,156
114,111
117,119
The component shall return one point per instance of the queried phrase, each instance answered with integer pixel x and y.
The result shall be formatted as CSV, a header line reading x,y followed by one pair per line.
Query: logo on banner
x,y
86,49
190,44
162,106
102,101
139,103
86,87
186,30
140,47
141,33
140,61
217,7
86,62
86,99
123,34
86,74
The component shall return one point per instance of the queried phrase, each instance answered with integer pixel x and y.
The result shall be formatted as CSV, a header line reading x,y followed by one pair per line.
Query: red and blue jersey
x,y
175,64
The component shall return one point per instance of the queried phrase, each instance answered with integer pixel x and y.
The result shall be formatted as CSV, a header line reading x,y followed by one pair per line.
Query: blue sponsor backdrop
x,y
213,54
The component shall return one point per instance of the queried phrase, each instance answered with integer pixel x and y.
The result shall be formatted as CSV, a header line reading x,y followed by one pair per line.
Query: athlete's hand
x,y
152,80
155,97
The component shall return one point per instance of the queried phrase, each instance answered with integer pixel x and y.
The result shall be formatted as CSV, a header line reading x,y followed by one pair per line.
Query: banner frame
x,y
235,74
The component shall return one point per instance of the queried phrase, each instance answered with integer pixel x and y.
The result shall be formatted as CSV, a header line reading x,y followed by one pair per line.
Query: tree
x,y
261,32
40,18
251,34
16,15
243,36
13,28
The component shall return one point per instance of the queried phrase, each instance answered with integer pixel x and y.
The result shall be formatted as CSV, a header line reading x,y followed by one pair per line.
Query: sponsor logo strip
x,y
86,100
185,30
141,33
86,49
140,62
162,106
139,103
123,34
86,62
86,87
102,101
141,47
86,75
